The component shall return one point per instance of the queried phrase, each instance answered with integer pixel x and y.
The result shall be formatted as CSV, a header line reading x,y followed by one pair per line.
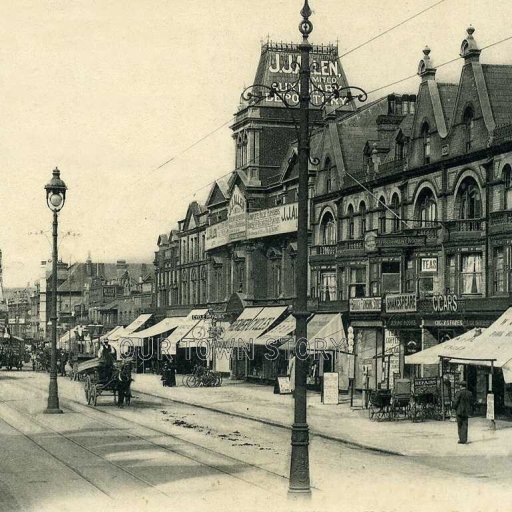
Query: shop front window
x,y
471,274
499,273
390,277
410,276
357,282
451,274
328,291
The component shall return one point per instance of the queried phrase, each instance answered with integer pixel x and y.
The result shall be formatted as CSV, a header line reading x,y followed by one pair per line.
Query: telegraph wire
x,y
387,31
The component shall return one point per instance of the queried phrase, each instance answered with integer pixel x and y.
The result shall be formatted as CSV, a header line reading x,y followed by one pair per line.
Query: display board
x,y
330,389
490,406
425,385
284,385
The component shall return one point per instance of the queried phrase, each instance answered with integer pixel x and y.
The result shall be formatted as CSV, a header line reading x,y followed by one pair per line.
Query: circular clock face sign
x,y
306,27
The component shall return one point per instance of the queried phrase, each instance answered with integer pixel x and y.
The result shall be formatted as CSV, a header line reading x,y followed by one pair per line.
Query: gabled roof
x,y
193,217
498,79
219,192
448,96
163,239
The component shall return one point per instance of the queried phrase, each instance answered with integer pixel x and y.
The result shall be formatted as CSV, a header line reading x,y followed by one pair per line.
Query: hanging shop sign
x,y
365,304
282,63
401,303
429,264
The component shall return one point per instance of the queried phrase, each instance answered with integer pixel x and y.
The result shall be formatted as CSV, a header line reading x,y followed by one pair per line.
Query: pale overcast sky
x,y
108,90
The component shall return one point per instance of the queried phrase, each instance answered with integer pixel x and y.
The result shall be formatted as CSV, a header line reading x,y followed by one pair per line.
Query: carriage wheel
x,y
190,381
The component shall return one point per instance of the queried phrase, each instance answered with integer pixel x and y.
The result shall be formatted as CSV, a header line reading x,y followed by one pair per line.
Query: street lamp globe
x,y
55,192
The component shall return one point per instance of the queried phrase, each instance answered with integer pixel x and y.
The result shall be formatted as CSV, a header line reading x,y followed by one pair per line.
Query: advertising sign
x,y
366,304
401,303
330,391
284,385
242,225
490,406
283,64
392,350
429,264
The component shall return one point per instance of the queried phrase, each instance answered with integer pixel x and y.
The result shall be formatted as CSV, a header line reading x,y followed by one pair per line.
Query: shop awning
x,y
185,330
449,348
279,334
325,332
65,339
252,323
131,328
110,333
165,325
329,336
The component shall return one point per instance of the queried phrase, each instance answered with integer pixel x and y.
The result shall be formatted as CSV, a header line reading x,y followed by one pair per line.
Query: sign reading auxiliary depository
x,y
280,65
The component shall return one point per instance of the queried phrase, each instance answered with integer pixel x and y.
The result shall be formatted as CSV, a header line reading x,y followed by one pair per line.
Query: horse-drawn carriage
x,y
12,353
106,379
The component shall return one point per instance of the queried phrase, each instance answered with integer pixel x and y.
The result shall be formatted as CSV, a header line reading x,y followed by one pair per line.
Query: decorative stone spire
x,y
426,69
469,49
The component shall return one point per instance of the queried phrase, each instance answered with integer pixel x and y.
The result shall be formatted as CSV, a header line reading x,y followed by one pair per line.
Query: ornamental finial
x,y
306,10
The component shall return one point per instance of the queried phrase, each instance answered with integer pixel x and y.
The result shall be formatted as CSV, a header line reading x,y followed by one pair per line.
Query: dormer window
x,y
468,128
399,147
425,135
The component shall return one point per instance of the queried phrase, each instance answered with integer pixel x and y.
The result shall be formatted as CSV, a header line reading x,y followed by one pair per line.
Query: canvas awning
x,y
136,324
325,332
279,334
449,348
65,339
185,330
165,325
110,333
251,323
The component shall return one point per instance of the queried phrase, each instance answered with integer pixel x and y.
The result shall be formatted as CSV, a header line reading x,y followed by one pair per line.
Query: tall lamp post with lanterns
x,y
304,88
55,198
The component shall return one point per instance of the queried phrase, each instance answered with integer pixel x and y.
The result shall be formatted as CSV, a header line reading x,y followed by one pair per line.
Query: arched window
x,y
507,181
395,208
425,135
362,222
470,205
351,230
468,128
382,215
328,229
426,208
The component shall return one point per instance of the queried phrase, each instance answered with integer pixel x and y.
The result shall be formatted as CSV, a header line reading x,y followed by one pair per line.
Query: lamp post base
x,y
53,410
299,470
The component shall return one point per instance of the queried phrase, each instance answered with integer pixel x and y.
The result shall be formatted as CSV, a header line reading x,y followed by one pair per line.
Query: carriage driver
x,y
107,356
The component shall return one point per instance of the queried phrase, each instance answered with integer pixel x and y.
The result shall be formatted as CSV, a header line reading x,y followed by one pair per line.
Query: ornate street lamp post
x,y
299,465
55,198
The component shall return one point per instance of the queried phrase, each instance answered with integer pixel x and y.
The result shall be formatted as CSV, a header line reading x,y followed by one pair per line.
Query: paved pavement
x,y
339,422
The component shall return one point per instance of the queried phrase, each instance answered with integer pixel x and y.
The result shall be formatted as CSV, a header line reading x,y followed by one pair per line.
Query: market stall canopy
x,y
251,324
495,343
449,349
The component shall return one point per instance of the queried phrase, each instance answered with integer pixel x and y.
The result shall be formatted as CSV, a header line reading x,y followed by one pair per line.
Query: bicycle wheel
x,y
189,381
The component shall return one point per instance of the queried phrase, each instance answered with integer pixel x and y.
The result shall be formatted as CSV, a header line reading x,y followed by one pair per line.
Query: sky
x,y
109,90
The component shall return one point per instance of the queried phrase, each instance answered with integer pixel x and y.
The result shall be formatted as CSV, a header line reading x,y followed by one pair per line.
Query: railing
x,y
501,218
323,250
465,226
349,245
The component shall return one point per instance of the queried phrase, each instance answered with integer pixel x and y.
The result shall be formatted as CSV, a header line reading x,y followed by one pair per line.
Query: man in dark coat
x,y
463,404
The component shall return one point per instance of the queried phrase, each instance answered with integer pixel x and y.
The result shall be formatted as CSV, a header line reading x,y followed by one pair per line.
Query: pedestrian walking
x,y
463,405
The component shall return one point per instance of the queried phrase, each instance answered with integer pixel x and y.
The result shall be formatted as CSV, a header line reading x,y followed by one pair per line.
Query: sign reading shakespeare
x,y
261,223
401,303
